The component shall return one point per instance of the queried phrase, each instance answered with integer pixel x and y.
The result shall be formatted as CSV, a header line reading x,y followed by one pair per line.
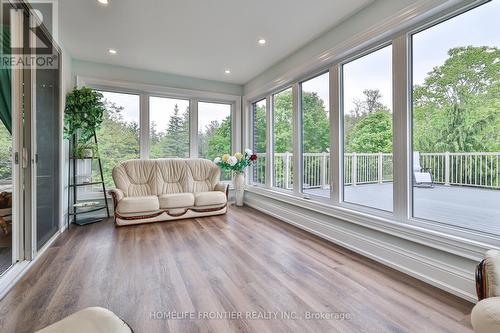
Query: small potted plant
x,y
83,115
237,164
86,150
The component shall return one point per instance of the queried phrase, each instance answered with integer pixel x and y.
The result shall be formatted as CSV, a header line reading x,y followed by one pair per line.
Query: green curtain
x,y
5,82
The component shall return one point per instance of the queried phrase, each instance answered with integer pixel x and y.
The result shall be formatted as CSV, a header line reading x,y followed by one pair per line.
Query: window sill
x,y
467,244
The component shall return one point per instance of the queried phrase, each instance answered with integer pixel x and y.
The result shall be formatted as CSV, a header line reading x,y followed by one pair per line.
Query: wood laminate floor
x,y
267,275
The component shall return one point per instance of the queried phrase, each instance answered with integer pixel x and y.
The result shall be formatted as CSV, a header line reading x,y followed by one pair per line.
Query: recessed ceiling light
x,y
227,71
103,2
112,51
261,41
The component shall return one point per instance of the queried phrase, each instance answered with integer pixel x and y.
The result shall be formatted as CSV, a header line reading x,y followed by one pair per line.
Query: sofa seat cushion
x,y
209,198
138,204
176,200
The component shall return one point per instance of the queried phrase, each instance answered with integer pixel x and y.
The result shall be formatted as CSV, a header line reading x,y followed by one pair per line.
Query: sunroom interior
x,y
371,200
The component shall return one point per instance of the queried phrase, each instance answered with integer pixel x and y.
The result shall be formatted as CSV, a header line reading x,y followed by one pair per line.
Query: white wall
x,y
67,85
119,73
362,21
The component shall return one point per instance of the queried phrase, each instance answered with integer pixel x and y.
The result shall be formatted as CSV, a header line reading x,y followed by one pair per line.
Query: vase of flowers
x,y
237,164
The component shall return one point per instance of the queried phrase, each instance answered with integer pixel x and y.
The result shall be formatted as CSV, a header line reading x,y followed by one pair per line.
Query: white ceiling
x,y
198,38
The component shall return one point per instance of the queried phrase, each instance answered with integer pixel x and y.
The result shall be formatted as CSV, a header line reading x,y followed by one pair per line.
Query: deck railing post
x,y
287,171
323,170
447,168
354,167
380,171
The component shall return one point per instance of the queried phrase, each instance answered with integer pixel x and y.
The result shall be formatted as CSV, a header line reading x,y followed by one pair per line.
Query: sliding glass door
x,y
30,138
6,149
46,157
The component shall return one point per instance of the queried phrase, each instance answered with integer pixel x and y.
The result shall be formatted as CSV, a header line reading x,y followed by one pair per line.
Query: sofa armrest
x,y
485,316
488,275
221,187
117,195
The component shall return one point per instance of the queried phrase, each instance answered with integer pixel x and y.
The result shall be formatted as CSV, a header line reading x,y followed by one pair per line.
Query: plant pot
x,y
239,187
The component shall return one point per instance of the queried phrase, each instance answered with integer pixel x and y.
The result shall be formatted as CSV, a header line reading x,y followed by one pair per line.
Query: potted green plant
x,y
86,150
83,116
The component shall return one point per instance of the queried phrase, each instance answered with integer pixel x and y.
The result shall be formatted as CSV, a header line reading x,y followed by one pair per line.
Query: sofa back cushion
x,y
136,177
165,176
204,175
172,176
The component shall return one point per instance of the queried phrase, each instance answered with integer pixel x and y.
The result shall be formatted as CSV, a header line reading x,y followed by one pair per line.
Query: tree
x,y
259,128
219,139
118,140
372,134
456,109
174,142
364,108
315,123
5,153
370,103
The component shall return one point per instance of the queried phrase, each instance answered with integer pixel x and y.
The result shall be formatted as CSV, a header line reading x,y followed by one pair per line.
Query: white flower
x,y
248,152
217,160
232,160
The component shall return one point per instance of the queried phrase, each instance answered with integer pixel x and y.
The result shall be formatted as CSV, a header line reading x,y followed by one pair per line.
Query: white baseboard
x,y
424,263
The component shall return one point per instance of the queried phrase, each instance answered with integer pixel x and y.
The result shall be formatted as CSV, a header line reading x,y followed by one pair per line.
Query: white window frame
x,y
193,96
397,31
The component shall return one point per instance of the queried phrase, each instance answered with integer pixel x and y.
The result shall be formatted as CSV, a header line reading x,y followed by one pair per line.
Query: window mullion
x,y
144,126
297,139
193,128
336,160
401,127
269,141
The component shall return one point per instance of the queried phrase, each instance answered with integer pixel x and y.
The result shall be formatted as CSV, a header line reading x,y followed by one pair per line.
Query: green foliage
x,y
175,141
372,134
457,108
259,137
219,140
316,124
83,114
283,112
5,153
83,150
118,140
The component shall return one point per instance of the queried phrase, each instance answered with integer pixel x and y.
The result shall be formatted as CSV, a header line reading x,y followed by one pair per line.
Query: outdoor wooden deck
x,y
467,207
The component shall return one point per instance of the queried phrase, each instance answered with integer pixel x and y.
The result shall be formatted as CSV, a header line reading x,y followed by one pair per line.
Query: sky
x,y
478,27
161,109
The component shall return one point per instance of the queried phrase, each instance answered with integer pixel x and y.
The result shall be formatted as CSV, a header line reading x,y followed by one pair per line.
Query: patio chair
x,y
422,177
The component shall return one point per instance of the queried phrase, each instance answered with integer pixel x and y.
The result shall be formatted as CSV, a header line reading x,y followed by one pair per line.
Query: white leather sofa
x,y
167,189
485,316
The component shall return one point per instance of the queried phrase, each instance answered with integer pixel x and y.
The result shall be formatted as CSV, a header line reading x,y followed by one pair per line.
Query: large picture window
x,y
283,140
456,121
367,110
118,137
315,113
259,141
214,132
169,127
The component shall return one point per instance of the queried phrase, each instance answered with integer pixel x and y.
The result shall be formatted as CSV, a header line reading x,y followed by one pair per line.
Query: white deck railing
x,y
478,169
